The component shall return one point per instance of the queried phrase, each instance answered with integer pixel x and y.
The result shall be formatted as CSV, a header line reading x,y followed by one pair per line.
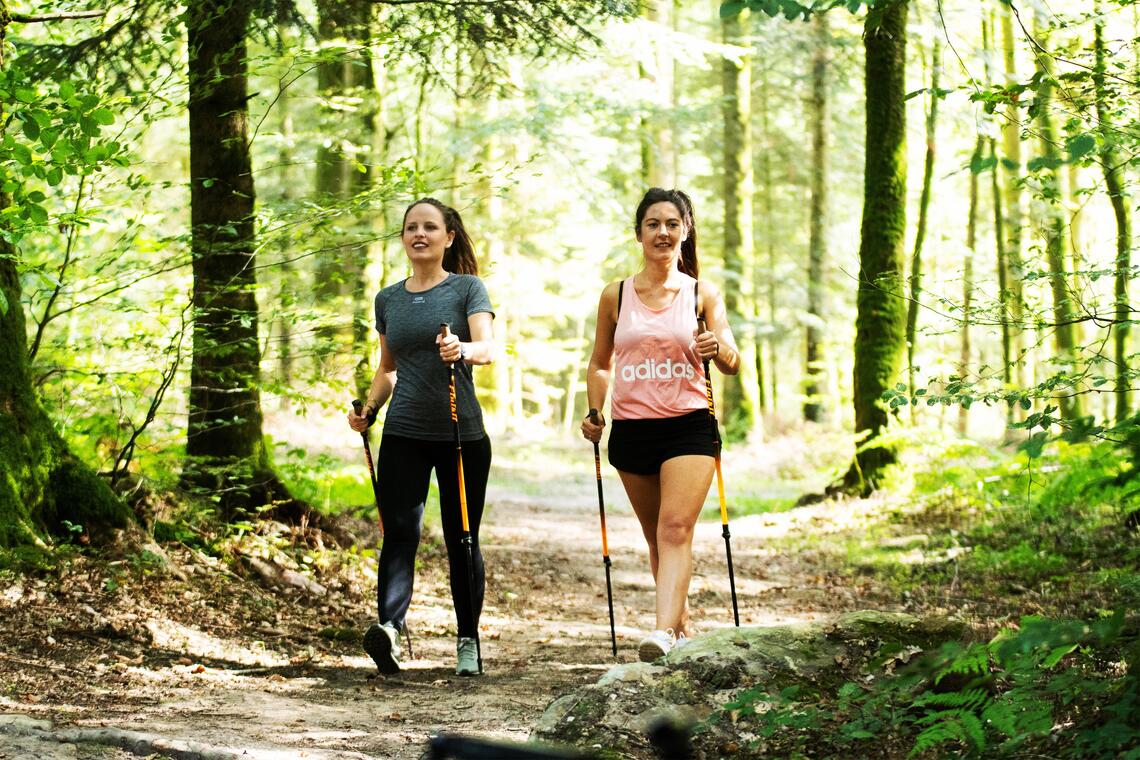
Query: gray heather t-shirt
x,y
419,407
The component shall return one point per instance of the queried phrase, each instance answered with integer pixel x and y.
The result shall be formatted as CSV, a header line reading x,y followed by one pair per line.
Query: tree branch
x,y
27,18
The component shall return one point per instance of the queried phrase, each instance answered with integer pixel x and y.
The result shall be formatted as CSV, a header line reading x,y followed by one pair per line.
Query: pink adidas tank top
x,y
657,371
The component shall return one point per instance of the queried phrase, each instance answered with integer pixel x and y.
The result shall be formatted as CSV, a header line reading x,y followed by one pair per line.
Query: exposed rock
x,y
692,683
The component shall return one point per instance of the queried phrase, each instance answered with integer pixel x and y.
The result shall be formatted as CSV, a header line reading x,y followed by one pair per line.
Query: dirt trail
x,y
278,690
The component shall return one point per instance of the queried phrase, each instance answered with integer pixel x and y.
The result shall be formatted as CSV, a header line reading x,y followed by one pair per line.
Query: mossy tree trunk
x,y
44,486
741,392
1053,227
226,453
814,369
880,323
1112,166
1005,293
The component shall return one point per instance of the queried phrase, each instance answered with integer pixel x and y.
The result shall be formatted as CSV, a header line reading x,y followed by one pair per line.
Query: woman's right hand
x,y
593,431
363,421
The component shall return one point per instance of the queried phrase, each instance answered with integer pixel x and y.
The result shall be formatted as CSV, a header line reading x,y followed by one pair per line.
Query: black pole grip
x,y
359,407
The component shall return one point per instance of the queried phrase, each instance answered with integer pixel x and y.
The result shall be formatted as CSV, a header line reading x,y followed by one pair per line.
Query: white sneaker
x,y
382,643
656,644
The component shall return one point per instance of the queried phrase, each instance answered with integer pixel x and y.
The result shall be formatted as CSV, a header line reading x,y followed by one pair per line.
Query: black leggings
x,y
404,468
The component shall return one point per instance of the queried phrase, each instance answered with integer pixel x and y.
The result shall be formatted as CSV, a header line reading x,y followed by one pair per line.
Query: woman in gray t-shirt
x,y
418,431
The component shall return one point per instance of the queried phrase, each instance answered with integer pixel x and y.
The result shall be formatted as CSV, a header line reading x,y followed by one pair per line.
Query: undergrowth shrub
x,y
1062,688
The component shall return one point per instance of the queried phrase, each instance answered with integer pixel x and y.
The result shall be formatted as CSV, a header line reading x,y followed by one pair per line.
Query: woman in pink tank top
x,y
648,347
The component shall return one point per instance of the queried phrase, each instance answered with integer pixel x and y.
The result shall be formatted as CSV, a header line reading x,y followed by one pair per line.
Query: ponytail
x,y
459,257
688,264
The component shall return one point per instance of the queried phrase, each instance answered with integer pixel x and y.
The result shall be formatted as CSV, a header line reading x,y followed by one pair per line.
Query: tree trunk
x,y
766,391
1005,296
225,449
923,213
653,137
968,281
1012,202
1112,166
815,379
339,285
45,486
741,404
880,324
1053,227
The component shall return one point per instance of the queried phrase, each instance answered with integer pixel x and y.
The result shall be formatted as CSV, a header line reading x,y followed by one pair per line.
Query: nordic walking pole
x,y
444,331
720,483
593,415
358,408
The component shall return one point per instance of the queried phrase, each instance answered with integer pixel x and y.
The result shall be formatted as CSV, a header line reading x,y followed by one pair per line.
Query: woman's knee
x,y
674,532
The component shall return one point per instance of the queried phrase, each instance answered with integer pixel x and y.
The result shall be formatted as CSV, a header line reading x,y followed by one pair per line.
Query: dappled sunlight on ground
x,y
223,660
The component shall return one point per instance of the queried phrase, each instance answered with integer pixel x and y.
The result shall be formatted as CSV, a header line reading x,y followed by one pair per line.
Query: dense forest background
x,y
919,213
1017,127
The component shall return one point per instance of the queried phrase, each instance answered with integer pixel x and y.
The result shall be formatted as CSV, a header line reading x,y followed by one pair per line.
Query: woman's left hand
x,y
708,347
450,350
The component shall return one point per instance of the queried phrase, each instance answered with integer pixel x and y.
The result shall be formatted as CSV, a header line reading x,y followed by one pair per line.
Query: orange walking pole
x,y
445,330
720,484
593,415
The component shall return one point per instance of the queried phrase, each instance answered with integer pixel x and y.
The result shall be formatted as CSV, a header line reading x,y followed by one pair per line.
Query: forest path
x,y
191,661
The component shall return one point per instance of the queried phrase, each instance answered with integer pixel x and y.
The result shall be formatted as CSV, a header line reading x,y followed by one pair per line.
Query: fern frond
x,y
1001,716
970,699
974,660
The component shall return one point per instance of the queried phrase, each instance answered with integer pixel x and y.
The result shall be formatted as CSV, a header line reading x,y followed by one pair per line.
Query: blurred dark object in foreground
x,y
669,738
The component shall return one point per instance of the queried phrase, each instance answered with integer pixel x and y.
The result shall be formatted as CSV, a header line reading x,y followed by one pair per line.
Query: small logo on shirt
x,y
418,299
651,369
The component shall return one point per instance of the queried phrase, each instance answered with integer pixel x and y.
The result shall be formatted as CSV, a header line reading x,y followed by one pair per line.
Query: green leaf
x,y
979,164
66,90
103,116
37,213
732,8
1055,656
89,126
1034,445
3,304
1080,145
1044,162
48,138
54,176
31,129
22,154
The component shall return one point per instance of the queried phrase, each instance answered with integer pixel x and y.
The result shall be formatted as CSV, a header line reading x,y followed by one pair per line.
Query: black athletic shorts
x,y
640,446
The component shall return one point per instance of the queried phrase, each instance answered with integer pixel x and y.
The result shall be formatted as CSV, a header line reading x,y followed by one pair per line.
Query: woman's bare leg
x,y
667,506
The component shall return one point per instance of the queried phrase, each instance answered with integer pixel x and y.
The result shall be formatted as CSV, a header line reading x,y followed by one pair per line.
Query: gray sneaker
x,y
382,643
467,657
